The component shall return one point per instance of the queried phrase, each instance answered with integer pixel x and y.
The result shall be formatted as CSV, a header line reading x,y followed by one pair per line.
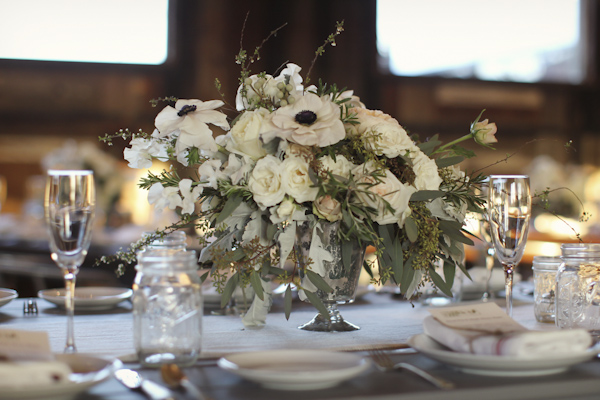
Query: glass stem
x,y
70,308
508,280
489,265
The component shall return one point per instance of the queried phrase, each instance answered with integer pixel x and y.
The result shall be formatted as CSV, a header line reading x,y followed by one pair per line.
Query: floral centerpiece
x,y
294,153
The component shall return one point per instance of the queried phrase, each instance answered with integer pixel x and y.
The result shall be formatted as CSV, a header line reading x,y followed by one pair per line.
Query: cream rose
x,y
390,189
426,172
381,133
310,121
245,134
265,182
484,132
296,180
328,208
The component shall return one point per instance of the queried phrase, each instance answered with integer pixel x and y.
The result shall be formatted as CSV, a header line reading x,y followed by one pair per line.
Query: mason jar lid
x,y
546,262
580,250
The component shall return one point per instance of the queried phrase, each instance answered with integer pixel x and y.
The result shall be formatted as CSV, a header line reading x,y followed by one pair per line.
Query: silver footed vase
x,y
342,280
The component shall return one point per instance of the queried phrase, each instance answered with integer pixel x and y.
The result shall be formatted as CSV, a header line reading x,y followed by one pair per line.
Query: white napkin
x,y
523,344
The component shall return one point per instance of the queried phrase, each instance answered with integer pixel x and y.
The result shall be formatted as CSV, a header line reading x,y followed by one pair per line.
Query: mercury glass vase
x,y
342,280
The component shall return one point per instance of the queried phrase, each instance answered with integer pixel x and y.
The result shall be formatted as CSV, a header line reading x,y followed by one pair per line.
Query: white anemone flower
x,y
163,197
189,195
191,118
309,121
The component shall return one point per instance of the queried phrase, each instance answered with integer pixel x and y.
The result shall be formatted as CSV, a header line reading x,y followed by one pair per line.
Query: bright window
x,y
99,31
508,40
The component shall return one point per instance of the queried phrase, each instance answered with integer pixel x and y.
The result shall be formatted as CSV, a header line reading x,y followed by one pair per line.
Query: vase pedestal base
x,y
335,322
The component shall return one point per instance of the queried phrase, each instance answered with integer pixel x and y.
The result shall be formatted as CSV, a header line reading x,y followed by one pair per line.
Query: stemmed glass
x,y
486,237
509,211
69,206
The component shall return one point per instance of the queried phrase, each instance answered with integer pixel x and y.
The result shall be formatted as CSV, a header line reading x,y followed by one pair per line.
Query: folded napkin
x,y
523,344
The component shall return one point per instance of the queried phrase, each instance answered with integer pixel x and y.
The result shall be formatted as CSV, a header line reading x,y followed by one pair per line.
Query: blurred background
x,y
432,64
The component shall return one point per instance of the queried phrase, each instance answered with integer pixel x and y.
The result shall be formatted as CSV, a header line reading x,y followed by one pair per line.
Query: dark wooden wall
x,y
42,104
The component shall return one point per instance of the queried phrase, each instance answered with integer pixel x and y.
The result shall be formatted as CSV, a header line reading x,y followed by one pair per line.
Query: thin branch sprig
x,y
339,28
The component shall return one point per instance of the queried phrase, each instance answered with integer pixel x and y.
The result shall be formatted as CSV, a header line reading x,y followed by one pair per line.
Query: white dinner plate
x,y
295,369
88,298
7,295
498,365
87,372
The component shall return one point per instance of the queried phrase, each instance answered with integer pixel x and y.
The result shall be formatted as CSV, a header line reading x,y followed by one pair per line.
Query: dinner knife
x,y
134,381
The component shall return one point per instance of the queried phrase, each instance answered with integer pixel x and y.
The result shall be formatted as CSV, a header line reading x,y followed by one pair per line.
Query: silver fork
x,y
385,364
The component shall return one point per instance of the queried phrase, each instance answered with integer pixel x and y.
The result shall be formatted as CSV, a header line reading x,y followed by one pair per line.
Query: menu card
x,y
480,317
16,345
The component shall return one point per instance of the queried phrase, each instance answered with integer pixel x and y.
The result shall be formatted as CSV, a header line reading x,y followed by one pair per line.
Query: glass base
x,y
335,323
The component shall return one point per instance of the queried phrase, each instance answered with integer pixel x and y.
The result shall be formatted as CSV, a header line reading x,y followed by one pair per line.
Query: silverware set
x,y
384,363
30,307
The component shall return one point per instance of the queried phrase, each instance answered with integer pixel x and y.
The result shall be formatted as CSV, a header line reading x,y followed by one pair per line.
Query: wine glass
x,y
69,206
509,212
486,237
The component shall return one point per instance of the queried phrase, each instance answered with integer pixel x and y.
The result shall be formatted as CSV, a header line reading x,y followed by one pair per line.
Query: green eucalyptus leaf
x,y
229,289
230,205
317,303
449,161
428,146
256,283
439,282
453,230
204,276
368,269
412,231
449,272
407,276
276,271
347,249
425,195
318,281
287,302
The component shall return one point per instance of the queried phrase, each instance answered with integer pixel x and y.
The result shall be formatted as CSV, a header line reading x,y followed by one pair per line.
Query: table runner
x,y
383,322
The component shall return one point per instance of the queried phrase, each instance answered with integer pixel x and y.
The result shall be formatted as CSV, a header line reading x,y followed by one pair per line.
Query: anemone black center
x,y
186,110
306,117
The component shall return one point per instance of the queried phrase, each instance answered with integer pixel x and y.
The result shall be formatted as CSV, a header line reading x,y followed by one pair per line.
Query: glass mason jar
x,y
167,307
544,284
577,287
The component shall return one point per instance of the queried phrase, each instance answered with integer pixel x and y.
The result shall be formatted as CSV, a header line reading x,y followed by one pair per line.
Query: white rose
x,y
381,133
426,172
328,208
296,180
265,182
340,167
389,189
245,134
286,209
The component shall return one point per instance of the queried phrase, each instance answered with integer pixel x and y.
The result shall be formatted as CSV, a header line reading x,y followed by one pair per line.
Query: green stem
x,y
452,143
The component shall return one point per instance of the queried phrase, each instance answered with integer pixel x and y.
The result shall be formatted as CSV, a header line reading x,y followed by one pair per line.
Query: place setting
x,y
91,298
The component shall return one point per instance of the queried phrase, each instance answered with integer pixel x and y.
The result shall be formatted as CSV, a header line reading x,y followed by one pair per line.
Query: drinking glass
x,y
486,237
509,212
69,206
